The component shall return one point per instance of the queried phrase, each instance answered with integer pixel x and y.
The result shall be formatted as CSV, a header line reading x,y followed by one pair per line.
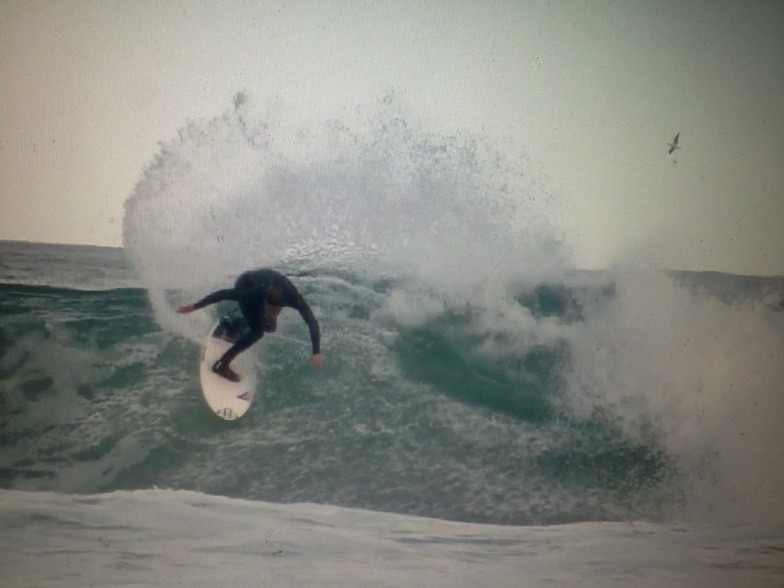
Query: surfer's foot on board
x,y
223,370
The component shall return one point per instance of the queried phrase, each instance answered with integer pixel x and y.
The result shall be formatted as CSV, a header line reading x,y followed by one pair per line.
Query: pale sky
x,y
591,91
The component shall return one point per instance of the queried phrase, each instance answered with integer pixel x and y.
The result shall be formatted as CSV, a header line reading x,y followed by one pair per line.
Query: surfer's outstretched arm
x,y
218,296
315,333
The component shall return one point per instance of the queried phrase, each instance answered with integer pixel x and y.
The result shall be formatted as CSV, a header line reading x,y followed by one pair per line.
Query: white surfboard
x,y
229,400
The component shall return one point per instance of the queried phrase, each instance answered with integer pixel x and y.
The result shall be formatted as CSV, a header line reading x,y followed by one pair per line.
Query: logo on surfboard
x,y
226,413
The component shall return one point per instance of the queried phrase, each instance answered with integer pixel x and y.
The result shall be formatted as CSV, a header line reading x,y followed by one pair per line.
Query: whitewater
x,y
487,414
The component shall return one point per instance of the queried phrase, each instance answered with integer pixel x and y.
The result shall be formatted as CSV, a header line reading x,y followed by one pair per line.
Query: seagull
x,y
674,145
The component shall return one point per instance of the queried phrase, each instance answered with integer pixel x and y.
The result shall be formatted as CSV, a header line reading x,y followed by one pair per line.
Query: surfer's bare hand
x,y
186,309
315,362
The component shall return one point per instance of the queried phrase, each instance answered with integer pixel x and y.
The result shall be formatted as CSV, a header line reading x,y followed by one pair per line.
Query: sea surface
x,y
486,415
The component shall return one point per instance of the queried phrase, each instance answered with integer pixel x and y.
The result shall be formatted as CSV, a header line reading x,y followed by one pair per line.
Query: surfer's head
x,y
273,304
274,297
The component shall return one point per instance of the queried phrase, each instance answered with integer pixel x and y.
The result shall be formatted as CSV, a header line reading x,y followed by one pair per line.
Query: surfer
x,y
261,294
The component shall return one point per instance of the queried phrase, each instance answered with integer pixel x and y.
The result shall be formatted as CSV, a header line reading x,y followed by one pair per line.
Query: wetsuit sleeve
x,y
310,320
215,297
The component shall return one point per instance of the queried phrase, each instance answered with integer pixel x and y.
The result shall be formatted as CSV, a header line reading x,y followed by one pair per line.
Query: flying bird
x,y
674,145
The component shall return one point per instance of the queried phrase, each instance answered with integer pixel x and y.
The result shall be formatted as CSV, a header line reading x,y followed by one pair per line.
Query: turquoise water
x,y
419,419
97,397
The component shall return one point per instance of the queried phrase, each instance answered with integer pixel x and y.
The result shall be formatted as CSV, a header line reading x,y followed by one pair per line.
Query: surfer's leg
x,y
221,367
255,332
241,345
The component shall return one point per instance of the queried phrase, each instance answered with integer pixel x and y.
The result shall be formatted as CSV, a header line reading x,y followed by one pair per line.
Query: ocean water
x,y
486,413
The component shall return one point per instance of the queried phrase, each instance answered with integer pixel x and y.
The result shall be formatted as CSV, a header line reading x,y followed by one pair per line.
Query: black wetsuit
x,y
250,291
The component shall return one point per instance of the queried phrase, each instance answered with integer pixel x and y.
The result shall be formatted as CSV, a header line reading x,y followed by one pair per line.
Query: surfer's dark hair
x,y
274,296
